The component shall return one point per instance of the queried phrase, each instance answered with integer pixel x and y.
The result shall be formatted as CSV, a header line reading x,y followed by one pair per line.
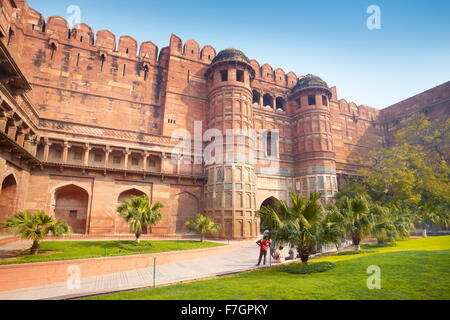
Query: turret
x,y
230,191
315,158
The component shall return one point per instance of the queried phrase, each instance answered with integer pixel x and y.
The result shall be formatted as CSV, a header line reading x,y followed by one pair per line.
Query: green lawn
x,y
411,270
68,250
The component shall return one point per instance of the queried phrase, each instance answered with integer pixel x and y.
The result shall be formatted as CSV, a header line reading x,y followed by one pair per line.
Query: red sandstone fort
x,y
86,123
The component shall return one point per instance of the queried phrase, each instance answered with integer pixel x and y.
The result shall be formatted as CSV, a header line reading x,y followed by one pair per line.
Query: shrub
x,y
299,268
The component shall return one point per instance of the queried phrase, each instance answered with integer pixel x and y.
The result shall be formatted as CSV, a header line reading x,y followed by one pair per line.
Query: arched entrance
x,y
269,202
71,205
8,198
187,209
121,226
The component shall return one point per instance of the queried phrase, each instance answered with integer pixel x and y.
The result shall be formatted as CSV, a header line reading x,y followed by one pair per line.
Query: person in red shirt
x,y
264,247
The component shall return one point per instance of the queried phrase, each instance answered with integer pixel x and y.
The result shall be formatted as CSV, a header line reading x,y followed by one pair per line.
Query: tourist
x,y
264,246
279,256
291,255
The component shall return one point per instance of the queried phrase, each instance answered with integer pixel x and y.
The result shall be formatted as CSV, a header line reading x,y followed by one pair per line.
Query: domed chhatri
x,y
231,55
310,81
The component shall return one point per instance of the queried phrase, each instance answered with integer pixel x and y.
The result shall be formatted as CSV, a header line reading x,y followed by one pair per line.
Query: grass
x,y
73,250
411,270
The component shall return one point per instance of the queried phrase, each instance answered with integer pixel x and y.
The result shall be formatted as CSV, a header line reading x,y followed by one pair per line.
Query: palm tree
x,y
36,227
390,223
355,218
383,228
304,224
140,214
202,226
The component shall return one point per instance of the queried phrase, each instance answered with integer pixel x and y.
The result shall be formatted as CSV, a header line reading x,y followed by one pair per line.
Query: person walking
x,y
264,247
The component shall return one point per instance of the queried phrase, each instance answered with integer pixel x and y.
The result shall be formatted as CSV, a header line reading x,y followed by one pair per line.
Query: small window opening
x,y
73,214
224,75
53,48
325,101
312,100
44,27
256,98
124,70
145,72
127,51
268,101
280,104
32,26
117,160
103,59
271,144
240,75
10,35
81,39
98,157
78,59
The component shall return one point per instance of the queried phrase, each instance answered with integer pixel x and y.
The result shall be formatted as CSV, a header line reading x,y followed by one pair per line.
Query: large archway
x,y
187,209
271,202
8,196
71,205
121,226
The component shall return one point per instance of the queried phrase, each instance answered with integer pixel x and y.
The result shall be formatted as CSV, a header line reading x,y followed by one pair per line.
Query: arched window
x,y
280,103
272,144
268,101
256,97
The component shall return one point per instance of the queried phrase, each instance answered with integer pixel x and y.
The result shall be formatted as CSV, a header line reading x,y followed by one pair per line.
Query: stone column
x,y
47,145
87,149
145,164
107,153
127,155
65,152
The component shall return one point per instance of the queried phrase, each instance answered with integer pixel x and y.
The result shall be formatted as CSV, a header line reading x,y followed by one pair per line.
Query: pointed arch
x,y
187,206
8,196
71,204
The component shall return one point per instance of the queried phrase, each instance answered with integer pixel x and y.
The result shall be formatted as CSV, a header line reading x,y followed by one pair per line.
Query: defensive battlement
x,y
58,31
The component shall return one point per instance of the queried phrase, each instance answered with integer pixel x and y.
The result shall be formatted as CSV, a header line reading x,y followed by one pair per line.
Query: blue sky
x,y
329,38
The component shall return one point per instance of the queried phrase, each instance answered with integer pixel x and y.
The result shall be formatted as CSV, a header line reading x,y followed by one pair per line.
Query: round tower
x,y
315,159
230,190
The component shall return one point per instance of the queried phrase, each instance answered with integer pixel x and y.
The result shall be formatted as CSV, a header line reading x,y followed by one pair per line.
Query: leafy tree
x,y
304,224
36,227
202,226
140,214
415,173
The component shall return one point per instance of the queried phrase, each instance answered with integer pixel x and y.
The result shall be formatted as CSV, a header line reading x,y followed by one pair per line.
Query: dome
x,y
231,55
310,81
